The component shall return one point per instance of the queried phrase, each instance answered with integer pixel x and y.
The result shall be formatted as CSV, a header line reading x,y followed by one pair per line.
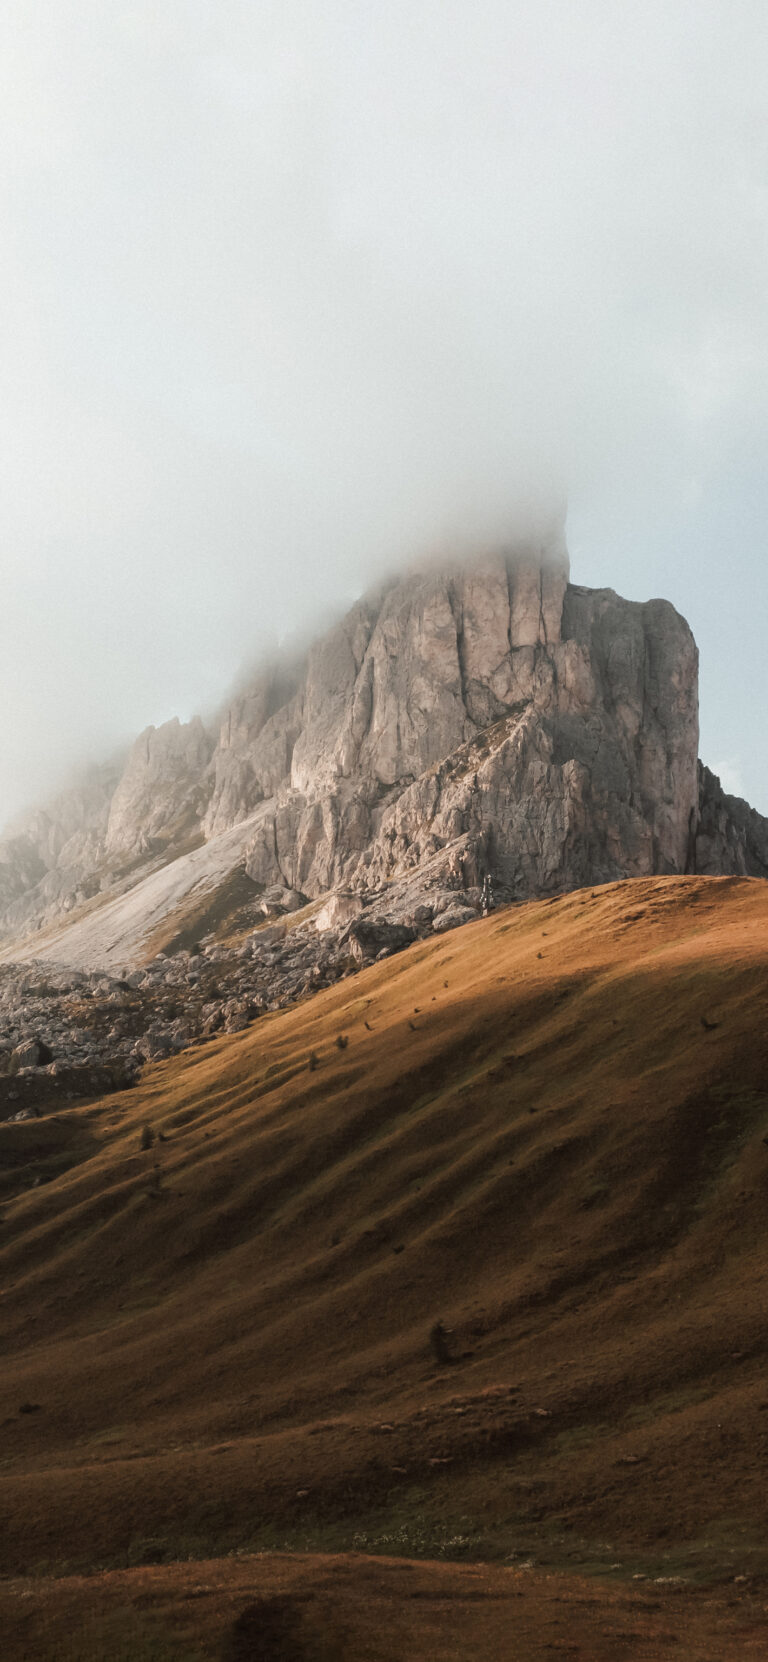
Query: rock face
x,y
162,792
731,838
52,862
459,722
499,716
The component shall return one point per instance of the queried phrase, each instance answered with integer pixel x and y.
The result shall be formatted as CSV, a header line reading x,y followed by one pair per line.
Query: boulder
x,y
453,918
31,1053
153,1047
338,910
367,938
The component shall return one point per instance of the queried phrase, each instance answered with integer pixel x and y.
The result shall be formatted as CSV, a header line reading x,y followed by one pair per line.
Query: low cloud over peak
x,y
293,293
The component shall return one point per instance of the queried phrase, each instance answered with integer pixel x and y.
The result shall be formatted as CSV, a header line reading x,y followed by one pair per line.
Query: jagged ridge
x,y
492,718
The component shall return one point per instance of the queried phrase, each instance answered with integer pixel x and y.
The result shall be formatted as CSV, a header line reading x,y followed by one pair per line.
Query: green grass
x,y
411,1527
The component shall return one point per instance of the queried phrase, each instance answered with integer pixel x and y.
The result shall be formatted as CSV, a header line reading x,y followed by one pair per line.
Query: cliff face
x,y
488,719
51,862
499,716
731,838
162,790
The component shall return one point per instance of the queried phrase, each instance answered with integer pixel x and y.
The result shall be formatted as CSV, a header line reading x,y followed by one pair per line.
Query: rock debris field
x,y
68,1034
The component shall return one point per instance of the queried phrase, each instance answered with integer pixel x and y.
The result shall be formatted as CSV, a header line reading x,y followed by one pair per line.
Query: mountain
x,y
454,1254
486,719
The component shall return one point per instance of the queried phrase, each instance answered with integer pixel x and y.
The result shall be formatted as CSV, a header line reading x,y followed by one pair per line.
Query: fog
x,y
293,292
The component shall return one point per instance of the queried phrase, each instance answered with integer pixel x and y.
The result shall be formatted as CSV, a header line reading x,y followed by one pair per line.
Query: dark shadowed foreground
x,y
545,1132
348,1609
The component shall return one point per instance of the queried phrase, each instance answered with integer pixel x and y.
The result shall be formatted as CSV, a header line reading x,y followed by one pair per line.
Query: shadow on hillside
x,y
39,1151
270,1630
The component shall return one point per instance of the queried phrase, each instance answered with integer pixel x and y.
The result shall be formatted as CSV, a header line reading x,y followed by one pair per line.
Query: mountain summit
x,y
487,719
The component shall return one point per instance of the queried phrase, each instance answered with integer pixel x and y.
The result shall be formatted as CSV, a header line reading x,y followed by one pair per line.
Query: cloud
x,y
289,291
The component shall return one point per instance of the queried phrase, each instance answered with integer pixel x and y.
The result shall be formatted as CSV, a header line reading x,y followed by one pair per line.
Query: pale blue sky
x,y
290,291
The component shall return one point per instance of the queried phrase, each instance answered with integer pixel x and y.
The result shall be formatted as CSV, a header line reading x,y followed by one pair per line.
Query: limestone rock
x,y
31,1053
55,853
731,840
339,909
545,732
161,795
256,742
277,900
452,918
369,938
490,719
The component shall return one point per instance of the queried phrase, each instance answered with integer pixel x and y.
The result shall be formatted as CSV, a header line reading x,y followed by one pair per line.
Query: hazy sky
x,y
291,289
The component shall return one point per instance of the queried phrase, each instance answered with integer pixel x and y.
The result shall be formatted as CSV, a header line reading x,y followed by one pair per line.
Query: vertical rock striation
x,y
550,731
163,790
731,838
486,718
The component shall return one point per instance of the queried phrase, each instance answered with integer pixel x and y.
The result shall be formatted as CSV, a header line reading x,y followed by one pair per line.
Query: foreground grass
x,y
548,1132
123,1636
411,1530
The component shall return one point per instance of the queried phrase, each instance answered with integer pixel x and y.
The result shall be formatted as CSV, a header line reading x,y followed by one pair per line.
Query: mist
x,y
293,293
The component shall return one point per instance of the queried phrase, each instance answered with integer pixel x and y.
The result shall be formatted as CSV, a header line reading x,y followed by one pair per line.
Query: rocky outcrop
x,y
162,794
105,831
527,727
486,719
52,862
66,1035
731,838
255,746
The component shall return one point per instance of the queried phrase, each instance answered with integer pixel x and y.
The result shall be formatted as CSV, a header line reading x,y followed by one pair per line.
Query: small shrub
x,y
147,1138
342,1041
313,1060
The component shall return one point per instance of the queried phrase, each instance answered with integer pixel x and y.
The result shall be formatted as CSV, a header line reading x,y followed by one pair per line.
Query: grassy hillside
x,y
322,1608
545,1130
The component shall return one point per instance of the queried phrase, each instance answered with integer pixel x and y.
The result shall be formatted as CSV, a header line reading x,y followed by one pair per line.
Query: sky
x,y
294,292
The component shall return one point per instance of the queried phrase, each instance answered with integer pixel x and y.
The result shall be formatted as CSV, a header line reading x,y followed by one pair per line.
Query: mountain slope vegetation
x,y
544,1131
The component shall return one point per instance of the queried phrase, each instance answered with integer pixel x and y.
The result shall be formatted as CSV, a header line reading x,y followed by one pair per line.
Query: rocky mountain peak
x,y
486,717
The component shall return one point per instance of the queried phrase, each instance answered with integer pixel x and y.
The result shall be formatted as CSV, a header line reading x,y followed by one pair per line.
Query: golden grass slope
x,y
323,1608
545,1129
